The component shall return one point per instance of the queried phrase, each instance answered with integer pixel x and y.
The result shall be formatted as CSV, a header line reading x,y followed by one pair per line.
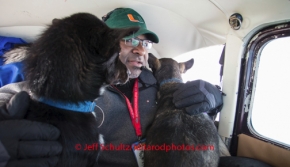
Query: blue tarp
x,y
10,73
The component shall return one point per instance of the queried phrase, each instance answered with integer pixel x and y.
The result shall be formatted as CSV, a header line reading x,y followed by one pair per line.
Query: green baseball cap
x,y
127,17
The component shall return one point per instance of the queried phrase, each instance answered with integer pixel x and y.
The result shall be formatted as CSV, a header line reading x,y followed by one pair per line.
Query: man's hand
x,y
23,142
197,97
16,108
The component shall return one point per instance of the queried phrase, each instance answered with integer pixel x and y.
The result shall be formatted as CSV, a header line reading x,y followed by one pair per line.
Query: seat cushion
x,y
231,161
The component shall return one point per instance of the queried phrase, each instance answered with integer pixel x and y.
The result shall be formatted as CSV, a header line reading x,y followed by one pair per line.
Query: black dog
x,y
175,138
65,69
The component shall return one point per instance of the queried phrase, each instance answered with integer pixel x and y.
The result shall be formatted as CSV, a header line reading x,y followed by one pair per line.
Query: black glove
x,y
197,97
16,107
26,143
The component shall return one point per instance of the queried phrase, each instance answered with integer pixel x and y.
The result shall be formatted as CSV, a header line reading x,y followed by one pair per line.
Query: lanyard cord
x,y
134,109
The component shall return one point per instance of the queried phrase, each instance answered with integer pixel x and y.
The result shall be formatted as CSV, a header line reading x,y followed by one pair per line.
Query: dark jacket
x,y
115,122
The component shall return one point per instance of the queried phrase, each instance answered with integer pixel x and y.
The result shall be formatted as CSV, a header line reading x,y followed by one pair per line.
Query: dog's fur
x,y
69,63
174,126
16,54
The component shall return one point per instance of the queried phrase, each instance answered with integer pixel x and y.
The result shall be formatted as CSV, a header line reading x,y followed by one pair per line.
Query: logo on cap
x,y
131,18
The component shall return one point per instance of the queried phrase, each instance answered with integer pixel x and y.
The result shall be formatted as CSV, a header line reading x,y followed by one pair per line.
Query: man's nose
x,y
140,50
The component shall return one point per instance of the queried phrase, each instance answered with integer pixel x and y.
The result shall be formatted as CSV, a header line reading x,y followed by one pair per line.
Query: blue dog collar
x,y
170,80
86,106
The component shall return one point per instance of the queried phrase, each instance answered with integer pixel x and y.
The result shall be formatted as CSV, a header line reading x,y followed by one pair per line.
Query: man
x,y
26,143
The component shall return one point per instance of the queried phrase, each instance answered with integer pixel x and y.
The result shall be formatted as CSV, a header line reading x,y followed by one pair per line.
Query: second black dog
x,y
175,138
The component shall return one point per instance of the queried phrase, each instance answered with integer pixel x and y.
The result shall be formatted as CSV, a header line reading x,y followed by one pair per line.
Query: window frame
x,y
247,81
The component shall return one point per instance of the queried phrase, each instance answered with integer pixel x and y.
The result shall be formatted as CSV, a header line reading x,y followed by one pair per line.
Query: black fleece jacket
x,y
115,122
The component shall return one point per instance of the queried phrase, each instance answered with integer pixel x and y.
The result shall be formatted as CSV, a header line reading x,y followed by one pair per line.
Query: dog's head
x,y
74,57
167,68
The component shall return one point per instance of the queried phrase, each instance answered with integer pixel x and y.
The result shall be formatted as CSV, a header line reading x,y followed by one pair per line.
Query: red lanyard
x,y
134,111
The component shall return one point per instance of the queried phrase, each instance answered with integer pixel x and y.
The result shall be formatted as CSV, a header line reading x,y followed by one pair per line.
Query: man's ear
x,y
153,62
183,67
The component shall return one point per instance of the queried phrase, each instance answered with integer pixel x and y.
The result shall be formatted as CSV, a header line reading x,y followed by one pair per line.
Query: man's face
x,y
134,57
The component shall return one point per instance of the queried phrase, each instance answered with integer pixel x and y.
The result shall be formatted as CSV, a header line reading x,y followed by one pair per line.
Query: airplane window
x,y
271,101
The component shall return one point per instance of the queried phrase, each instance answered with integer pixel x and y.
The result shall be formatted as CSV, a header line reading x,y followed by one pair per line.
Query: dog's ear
x,y
184,66
117,72
55,21
153,62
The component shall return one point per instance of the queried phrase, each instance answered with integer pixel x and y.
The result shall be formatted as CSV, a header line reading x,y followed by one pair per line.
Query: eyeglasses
x,y
147,44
